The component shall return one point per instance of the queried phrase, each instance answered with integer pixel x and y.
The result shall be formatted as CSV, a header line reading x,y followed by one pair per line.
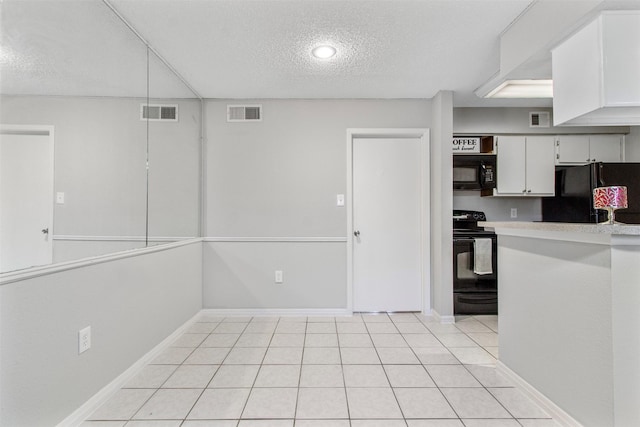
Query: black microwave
x,y
474,171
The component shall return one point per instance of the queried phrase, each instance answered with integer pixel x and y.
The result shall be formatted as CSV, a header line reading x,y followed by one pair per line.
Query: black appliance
x,y
474,171
573,201
473,293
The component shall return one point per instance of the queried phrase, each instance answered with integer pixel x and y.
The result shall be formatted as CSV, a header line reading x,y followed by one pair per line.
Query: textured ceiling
x,y
255,49
386,49
76,48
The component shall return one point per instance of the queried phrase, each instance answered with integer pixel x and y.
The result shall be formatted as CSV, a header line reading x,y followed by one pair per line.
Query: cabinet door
x,y
605,148
573,149
510,168
540,165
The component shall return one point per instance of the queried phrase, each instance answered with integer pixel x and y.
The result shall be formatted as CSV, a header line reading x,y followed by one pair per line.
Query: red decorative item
x,y
610,199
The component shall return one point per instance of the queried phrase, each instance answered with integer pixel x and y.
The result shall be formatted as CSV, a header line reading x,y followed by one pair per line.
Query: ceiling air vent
x,y
157,112
539,119
244,113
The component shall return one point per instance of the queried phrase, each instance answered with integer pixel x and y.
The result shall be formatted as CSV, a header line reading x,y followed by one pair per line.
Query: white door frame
x,y
39,130
425,247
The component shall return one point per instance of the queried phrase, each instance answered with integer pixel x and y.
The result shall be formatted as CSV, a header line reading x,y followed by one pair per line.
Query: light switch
x,y
60,198
340,200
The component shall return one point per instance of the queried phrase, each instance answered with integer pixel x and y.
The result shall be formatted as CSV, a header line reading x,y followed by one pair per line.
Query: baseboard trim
x,y
257,312
90,406
445,320
557,413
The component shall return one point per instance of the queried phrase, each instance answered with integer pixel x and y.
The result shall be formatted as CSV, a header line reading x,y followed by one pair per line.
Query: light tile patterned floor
x,y
362,371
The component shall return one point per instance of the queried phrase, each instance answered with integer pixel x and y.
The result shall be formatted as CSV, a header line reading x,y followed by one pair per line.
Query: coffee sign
x,y
466,145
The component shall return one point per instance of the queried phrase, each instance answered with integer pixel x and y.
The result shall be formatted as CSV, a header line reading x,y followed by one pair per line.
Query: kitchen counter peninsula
x,y
569,310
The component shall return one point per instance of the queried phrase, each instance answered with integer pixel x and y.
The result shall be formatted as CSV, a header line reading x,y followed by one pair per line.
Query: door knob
x,y
45,231
356,233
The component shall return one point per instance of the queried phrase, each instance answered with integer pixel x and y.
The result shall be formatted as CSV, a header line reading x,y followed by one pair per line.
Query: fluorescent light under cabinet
x,y
523,89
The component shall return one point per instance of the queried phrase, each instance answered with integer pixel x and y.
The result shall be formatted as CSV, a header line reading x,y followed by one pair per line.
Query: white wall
x,y
278,179
499,208
632,145
241,275
175,172
495,121
131,304
100,165
441,205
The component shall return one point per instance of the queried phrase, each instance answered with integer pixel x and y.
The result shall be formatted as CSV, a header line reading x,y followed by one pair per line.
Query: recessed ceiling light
x,y
324,52
523,89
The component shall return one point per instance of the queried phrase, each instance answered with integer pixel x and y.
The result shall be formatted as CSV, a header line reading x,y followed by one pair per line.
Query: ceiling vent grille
x,y
244,113
539,119
157,112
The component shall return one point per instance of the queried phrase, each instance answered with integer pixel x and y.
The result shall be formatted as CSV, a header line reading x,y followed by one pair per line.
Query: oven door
x,y
474,303
464,279
473,293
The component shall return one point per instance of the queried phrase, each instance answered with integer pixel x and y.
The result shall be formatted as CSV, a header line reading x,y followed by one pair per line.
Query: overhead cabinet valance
x,y
595,73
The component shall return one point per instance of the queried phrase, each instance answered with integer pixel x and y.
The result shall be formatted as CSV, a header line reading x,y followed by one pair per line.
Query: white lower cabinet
x,y
526,166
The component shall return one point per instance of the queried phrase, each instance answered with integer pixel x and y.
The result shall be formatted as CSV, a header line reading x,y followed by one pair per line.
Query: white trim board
x,y
29,273
276,239
78,416
79,238
557,413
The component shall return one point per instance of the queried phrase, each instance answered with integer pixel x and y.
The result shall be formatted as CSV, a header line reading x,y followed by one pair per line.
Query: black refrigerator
x,y
573,201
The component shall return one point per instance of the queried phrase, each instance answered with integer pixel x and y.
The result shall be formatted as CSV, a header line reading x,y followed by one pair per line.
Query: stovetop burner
x,y
465,221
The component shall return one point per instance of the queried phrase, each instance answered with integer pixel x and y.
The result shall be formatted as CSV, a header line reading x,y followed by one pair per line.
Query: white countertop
x,y
614,229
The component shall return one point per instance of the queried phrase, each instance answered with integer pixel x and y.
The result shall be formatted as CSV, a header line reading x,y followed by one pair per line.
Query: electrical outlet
x,y
279,277
84,339
514,212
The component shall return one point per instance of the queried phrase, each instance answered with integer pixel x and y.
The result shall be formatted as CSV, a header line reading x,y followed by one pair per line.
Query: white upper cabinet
x,y
526,166
541,169
582,149
573,149
511,172
606,148
595,73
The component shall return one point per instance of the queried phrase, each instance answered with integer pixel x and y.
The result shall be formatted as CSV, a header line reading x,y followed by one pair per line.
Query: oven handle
x,y
481,300
470,239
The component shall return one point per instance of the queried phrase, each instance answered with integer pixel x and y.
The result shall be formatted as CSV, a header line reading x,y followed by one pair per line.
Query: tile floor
x,y
361,371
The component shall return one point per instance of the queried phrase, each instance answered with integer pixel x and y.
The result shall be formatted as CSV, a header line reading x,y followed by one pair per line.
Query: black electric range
x,y
475,271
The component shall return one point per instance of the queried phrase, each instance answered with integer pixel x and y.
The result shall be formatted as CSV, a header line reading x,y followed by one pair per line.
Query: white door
x,y
387,190
540,165
26,199
511,165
